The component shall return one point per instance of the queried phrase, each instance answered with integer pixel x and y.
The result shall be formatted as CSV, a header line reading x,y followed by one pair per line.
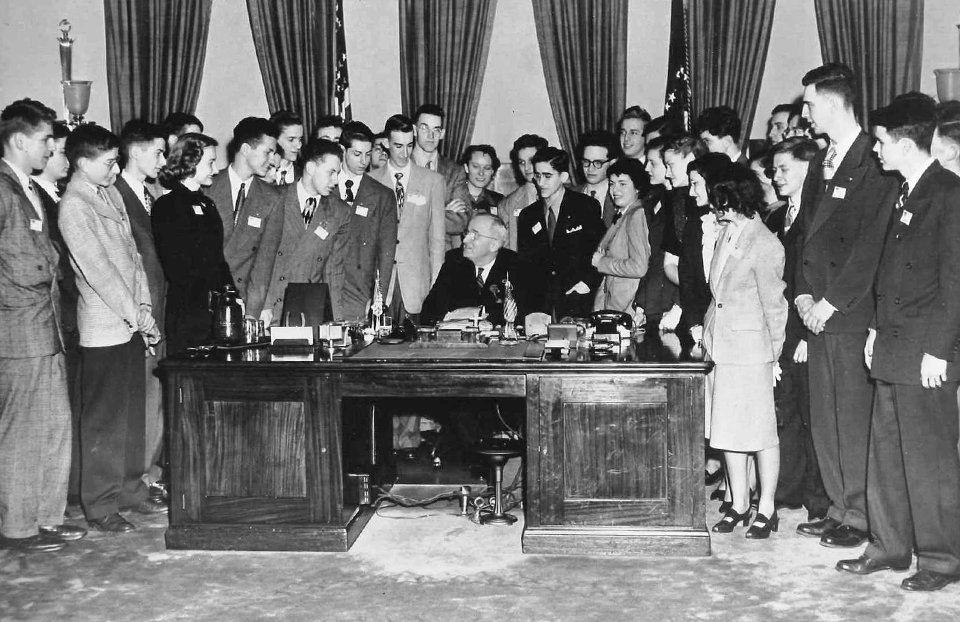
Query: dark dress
x,y
188,234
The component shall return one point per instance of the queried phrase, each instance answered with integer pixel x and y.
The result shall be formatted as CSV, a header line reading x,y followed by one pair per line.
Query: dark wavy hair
x,y
183,159
635,171
736,189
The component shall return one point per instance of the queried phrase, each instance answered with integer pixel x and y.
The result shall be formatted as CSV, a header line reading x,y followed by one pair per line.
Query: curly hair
x,y
183,159
737,190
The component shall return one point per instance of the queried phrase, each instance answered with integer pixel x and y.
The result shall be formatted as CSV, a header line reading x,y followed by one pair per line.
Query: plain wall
x,y
513,100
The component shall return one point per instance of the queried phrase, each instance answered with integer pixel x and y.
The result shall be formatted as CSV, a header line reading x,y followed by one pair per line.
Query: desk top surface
x,y
657,352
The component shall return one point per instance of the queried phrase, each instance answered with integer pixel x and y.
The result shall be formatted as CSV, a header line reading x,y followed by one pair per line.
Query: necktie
x,y
792,210
593,193
828,167
480,279
283,177
348,193
308,209
238,205
34,196
551,223
400,192
616,218
148,200
904,192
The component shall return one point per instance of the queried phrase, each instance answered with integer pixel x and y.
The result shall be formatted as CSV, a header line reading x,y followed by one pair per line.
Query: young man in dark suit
x,y
246,203
719,128
143,146
475,274
556,239
597,151
373,226
34,408
913,473
846,201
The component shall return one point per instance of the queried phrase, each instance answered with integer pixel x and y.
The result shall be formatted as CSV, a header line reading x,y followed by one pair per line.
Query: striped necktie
x,y
828,163
400,192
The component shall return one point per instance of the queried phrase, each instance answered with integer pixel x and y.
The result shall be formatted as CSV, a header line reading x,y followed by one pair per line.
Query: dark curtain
x,y
583,46
728,42
296,48
443,55
155,54
881,40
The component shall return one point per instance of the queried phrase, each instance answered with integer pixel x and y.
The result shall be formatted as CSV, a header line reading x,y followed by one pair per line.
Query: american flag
x,y
677,103
341,88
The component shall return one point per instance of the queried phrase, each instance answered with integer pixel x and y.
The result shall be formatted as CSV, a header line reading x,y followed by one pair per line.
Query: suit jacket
x,y
372,245
694,292
188,235
143,235
627,247
511,206
29,293
456,287
609,209
552,269
110,276
420,235
791,240
844,222
453,176
747,318
305,253
66,278
243,241
487,201
918,284
656,294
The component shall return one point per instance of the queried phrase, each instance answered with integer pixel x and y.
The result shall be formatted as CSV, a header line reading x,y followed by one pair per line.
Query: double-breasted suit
x,y
371,246
35,427
305,253
913,485
626,246
553,268
421,235
743,333
245,235
843,221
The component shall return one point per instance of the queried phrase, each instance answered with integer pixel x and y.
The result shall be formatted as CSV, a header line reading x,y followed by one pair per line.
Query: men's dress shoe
x,y
928,581
843,537
40,543
64,532
159,491
817,527
111,523
868,565
150,506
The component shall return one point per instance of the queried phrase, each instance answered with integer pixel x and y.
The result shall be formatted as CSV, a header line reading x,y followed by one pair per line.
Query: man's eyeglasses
x,y
474,232
432,131
597,164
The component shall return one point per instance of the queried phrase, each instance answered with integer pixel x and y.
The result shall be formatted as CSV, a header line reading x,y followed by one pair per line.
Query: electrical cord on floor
x,y
409,502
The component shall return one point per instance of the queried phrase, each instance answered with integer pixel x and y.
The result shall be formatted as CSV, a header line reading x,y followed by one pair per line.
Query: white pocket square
x,y
575,229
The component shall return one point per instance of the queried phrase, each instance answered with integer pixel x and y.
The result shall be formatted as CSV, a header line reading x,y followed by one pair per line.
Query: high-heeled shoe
x,y
718,494
730,520
710,479
725,506
762,526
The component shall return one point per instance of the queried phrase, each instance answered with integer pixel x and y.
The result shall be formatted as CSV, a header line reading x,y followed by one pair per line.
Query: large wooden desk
x,y
260,448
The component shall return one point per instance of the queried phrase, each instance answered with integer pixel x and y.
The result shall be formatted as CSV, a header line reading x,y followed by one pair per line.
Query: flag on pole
x,y
341,88
676,105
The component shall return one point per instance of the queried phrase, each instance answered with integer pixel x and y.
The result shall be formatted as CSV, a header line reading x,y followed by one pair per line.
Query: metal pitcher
x,y
227,310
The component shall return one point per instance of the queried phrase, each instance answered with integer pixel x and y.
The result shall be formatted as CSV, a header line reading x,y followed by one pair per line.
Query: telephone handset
x,y
606,322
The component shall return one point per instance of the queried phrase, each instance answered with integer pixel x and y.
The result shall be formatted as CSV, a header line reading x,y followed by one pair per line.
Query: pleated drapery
x,y
155,55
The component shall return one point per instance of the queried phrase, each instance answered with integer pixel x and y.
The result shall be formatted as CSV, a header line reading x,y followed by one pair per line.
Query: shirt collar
x,y
302,195
48,186
405,170
486,268
23,177
235,181
842,145
914,179
427,160
555,201
601,189
135,184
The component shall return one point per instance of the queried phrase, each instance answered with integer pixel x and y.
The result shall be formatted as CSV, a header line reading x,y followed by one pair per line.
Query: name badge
x,y
537,227
906,217
253,221
839,193
516,211
36,225
494,210
321,233
362,211
198,210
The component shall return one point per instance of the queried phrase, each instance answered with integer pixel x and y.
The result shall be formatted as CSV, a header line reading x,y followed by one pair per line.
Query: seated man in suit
x,y
719,129
245,202
475,275
143,145
329,127
631,128
556,237
480,163
179,123
521,157
373,226
311,244
598,150
289,144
